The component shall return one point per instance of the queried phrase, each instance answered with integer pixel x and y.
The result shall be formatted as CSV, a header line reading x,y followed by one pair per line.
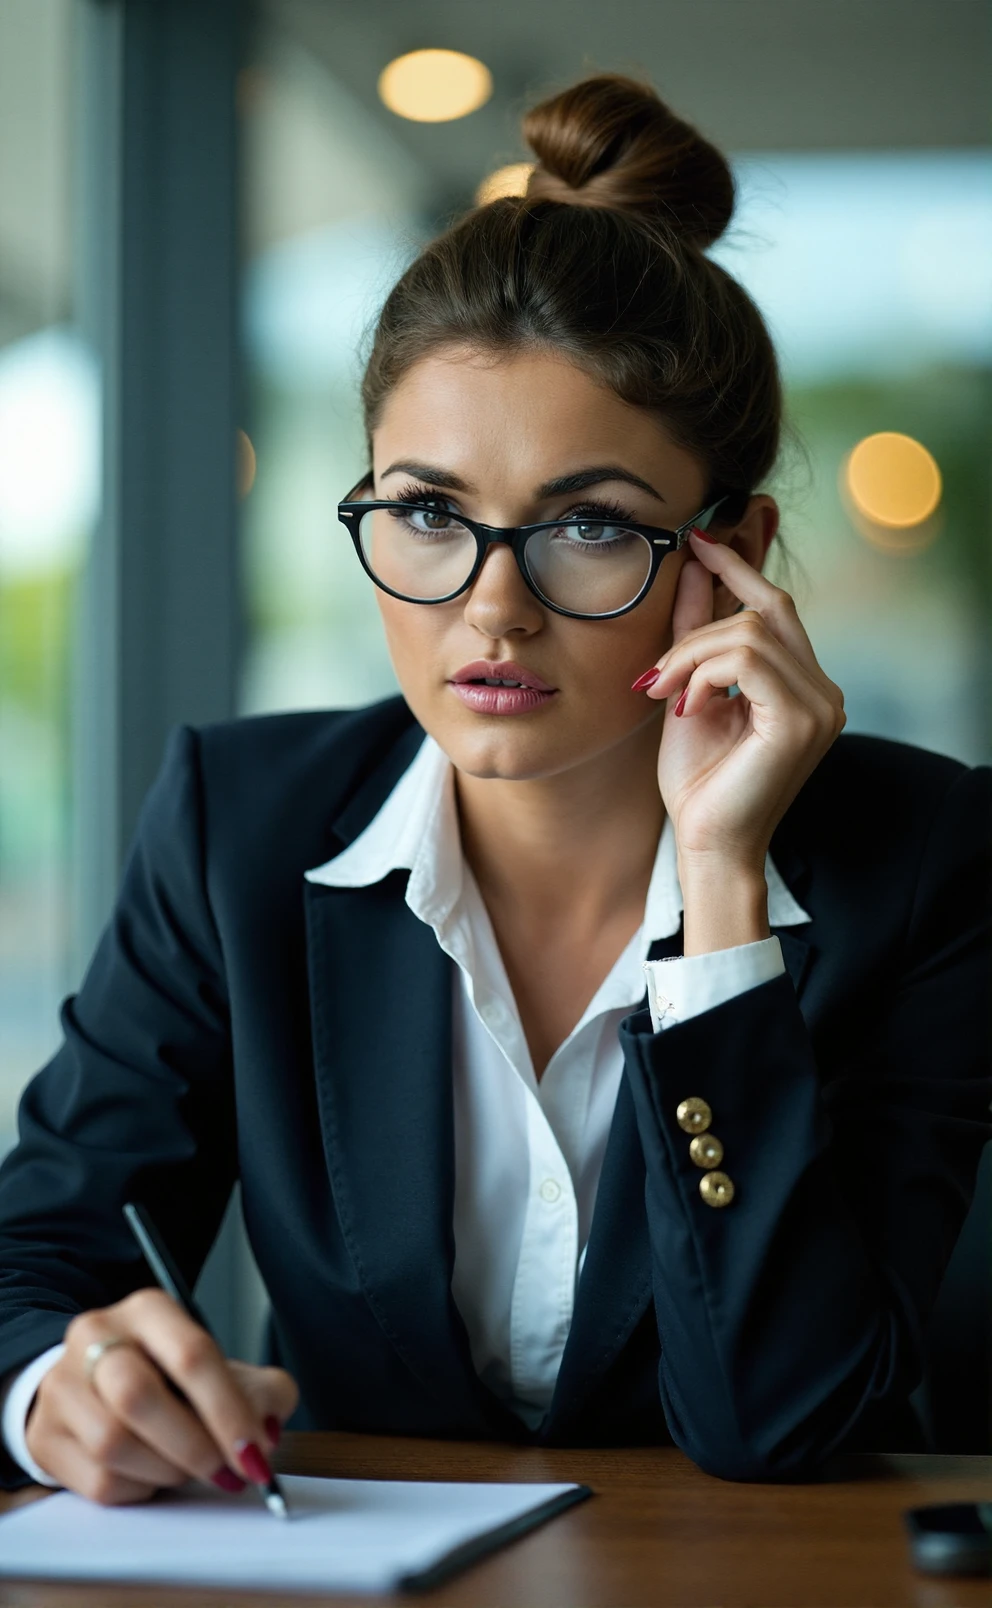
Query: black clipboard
x,y
481,1546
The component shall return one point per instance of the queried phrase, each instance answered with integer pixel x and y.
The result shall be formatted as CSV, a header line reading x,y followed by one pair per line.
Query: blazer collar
x,y
615,1290
405,818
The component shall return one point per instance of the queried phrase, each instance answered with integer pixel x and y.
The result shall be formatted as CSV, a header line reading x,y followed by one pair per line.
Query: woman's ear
x,y
751,537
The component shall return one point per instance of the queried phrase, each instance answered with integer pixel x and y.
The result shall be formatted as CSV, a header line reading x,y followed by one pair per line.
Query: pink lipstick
x,y
500,687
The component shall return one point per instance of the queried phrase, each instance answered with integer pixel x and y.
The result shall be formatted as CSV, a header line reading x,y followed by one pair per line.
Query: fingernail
x,y
681,703
253,1462
704,535
648,679
227,1479
273,1428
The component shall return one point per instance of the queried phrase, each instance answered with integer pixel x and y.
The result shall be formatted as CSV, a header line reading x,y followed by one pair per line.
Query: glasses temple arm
x,y
701,520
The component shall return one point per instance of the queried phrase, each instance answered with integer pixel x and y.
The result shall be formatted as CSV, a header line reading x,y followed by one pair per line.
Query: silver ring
x,y
93,1353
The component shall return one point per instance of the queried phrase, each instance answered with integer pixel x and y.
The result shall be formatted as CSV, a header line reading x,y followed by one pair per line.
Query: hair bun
x,y
609,141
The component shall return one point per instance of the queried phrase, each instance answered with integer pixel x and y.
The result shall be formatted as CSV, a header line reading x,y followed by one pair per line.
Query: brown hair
x,y
603,260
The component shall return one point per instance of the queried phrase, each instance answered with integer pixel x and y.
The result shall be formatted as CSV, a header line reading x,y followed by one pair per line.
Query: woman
x,y
388,965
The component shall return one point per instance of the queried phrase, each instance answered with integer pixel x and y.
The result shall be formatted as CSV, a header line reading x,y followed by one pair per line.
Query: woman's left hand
x,y
728,768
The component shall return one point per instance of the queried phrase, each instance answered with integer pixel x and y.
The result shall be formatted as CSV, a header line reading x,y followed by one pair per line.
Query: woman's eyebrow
x,y
594,476
431,472
578,480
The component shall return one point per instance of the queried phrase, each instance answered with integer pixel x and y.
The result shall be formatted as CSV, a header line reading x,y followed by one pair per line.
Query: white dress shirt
x,y
528,1152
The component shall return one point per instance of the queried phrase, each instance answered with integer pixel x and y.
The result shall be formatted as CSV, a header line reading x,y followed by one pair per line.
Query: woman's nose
x,y
499,599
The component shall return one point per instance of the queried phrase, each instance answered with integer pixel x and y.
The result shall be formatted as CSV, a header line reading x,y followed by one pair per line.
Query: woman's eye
x,y
423,518
590,532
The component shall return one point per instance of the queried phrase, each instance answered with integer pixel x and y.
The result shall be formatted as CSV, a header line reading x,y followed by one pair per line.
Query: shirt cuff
x,y
691,984
15,1404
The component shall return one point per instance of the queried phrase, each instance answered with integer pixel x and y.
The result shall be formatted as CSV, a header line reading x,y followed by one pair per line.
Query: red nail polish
x,y
227,1479
704,535
273,1428
681,703
648,679
253,1462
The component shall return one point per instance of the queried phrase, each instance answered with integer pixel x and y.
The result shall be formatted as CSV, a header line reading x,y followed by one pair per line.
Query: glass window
x,y
333,205
48,490
874,272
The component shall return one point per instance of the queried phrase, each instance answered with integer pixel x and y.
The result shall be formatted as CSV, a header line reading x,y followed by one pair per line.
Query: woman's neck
x,y
576,849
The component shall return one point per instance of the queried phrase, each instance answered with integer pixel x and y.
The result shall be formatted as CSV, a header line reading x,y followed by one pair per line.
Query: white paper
x,y
343,1535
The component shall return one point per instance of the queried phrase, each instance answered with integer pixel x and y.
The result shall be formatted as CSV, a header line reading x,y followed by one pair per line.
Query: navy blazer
x,y
235,1022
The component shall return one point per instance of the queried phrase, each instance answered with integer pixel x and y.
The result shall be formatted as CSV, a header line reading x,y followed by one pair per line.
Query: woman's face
x,y
487,436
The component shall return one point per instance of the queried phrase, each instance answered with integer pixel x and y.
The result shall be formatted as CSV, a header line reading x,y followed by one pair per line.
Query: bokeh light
x,y
510,180
893,480
49,451
246,464
435,86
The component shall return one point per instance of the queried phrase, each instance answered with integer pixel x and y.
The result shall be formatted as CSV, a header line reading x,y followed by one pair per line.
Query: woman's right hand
x,y
123,1435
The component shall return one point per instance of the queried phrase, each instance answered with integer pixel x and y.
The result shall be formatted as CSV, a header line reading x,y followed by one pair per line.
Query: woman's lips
x,y
501,670
500,700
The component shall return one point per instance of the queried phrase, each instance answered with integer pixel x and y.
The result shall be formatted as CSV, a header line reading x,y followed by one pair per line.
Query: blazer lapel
x,y
615,1289
796,953
380,1005
383,1078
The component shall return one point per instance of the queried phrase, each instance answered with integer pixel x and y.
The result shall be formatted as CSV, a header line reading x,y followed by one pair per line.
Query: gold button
x,y
706,1150
693,1115
716,1189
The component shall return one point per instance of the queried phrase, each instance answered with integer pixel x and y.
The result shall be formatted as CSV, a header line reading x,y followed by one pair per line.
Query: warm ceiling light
x,y
893,480
512,180
434,86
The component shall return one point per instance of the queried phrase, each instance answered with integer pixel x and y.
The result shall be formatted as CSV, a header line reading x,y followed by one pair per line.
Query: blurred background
x,y
203,203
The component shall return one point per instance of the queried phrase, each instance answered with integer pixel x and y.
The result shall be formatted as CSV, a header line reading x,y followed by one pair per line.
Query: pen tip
x,y
276,1505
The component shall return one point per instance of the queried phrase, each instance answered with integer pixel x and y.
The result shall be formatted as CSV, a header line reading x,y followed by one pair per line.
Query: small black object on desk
x,y
951,1538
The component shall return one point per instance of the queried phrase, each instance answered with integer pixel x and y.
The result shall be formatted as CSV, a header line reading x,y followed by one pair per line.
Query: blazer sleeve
x,y
137,1102
788,1314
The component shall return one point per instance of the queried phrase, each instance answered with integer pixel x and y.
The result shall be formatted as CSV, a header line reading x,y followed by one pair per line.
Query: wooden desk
x,y
657,1533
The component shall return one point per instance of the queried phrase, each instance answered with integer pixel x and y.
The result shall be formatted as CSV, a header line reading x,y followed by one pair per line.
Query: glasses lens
x,y
422,553
589,568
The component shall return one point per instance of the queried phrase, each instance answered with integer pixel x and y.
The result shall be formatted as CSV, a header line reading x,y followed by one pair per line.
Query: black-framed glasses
x,y
420,552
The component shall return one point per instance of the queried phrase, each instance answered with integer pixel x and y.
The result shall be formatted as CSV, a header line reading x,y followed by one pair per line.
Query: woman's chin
x,y
545,742
517,751
506,753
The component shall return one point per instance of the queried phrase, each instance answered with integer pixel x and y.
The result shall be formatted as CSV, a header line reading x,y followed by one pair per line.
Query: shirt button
x,y
716,1189
706,1150
550,1191
693,1115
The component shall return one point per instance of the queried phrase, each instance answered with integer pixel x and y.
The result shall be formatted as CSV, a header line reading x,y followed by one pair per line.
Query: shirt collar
x,y
416,828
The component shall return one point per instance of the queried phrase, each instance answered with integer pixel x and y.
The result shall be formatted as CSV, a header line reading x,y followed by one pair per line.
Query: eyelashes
x,y
599,508
421,494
